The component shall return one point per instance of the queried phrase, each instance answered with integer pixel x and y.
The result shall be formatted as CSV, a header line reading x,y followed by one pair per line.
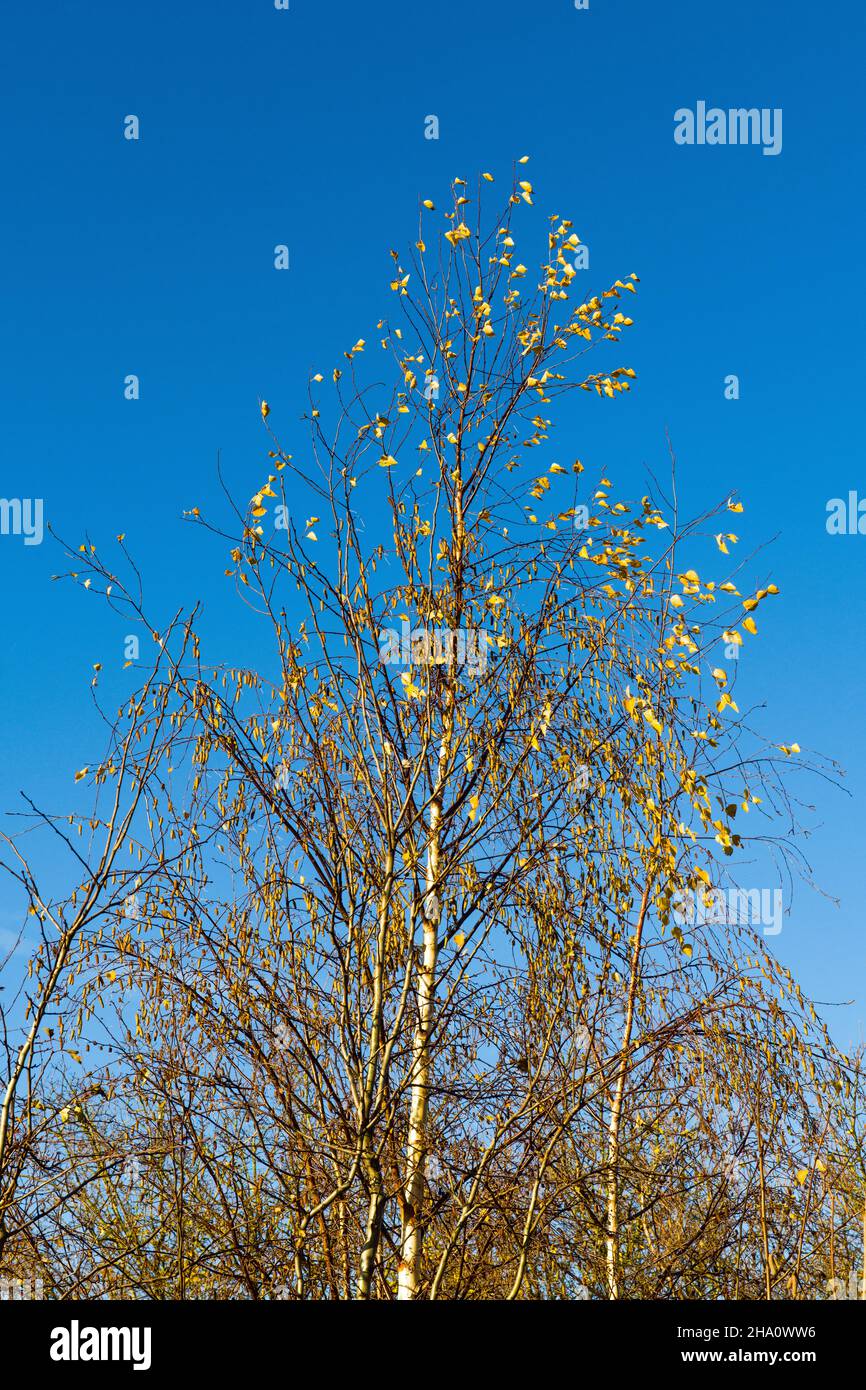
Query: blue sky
x,y
306,127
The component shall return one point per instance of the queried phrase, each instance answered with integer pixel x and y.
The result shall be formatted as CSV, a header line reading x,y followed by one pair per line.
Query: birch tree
x,y
410,1007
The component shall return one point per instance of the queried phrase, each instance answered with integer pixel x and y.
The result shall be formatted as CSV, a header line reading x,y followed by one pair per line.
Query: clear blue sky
x,y
306,127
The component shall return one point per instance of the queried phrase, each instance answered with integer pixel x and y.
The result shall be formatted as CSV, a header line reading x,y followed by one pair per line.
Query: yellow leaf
x,y
410,689
459,233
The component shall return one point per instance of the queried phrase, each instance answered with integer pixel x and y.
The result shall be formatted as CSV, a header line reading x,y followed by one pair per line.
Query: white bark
x,y
613,1146
408,1272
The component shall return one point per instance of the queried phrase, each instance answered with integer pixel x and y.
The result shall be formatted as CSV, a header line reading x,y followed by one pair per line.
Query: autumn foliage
x,y
374,984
